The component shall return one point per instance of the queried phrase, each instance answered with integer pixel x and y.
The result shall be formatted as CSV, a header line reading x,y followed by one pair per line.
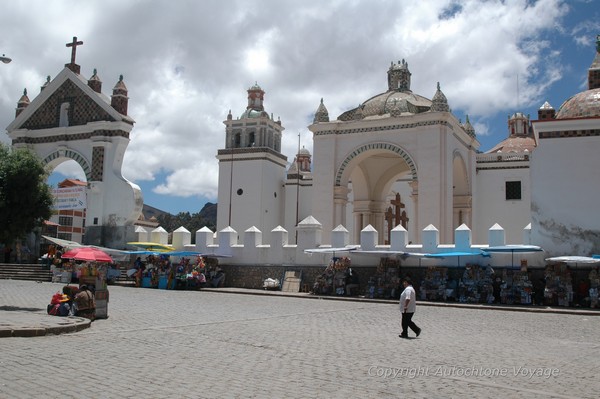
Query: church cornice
x,y
251,154
70,137
380,128
569,133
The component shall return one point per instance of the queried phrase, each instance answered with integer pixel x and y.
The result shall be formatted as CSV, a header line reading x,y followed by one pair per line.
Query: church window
x,y
240,191
513,190
251,140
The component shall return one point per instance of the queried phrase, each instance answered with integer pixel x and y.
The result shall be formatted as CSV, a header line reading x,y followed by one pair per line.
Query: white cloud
x,y
186,64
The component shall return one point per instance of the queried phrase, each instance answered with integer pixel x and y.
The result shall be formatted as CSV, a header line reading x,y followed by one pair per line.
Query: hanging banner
x,y
69,198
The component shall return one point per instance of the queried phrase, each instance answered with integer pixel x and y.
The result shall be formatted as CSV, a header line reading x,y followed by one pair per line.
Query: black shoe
x,y
403,335
418,332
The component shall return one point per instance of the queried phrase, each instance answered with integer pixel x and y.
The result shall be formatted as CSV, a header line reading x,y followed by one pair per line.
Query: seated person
x,y
59,305
85,304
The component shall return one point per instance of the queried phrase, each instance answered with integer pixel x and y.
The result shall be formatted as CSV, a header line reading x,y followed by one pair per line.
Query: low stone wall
x,y
252,276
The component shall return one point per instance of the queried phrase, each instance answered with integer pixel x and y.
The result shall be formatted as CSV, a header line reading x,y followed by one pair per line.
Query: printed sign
x,y
69,198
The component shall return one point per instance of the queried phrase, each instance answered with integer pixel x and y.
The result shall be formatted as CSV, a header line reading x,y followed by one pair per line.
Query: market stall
x,y
90,266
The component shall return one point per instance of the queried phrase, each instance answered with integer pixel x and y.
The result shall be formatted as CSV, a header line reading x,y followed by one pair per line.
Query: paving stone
x,y
201,344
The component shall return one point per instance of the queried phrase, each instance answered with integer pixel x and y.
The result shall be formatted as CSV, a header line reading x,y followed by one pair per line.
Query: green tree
x,y
25,197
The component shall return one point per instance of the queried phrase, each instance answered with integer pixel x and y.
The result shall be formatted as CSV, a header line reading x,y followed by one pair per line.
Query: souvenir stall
x,y
559,285
155,270
434,284
190,274
476,285
516,287
63,272
89,265
386,281
333,280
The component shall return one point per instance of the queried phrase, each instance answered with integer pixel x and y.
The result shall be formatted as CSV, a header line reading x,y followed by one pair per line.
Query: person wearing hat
x,y
408,305
59,305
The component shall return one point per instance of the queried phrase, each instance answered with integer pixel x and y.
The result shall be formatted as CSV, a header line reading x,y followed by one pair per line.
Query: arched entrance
x,y
372,186
461,192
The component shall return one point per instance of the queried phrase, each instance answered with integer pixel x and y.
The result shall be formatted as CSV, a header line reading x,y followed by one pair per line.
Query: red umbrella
x,y
89,254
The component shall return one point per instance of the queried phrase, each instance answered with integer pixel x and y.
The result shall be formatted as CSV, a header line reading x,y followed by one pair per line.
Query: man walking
x,y
408,305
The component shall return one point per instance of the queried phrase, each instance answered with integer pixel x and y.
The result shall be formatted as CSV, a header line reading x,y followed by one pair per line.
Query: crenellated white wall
x,y
276,251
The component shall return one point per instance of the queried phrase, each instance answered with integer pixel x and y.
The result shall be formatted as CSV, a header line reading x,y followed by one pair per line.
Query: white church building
x,y
400,158
399,171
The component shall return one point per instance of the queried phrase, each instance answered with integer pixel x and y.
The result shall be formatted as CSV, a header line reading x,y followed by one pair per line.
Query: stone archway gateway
x,y
72,120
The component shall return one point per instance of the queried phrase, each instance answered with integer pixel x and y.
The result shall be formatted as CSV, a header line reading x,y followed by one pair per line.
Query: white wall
x,y
492,207
566,190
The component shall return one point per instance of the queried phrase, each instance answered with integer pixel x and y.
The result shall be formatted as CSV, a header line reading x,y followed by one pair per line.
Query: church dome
x,y
587,103
399,100
253,113
582,105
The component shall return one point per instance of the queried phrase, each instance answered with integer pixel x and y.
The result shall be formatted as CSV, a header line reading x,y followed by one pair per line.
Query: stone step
x,y
30,272
36,272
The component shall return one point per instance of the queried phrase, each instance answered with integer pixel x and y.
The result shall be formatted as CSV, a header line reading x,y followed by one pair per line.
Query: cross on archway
x,y
399,216
73,46
395,216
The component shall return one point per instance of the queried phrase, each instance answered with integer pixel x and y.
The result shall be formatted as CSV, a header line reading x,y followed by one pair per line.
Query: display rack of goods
x,y
333,279
517,288
386,281
476,285
559,285
434,285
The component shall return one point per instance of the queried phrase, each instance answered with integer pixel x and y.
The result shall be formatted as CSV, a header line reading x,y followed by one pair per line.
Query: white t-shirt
x,y
408,293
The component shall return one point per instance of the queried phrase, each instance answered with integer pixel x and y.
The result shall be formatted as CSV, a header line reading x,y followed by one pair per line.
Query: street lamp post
x,y
5,59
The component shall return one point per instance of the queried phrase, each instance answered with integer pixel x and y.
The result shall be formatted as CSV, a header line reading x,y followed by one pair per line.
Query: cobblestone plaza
x,y
190,344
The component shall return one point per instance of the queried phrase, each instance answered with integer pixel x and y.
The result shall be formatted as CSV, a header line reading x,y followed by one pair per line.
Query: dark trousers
x,y
407,322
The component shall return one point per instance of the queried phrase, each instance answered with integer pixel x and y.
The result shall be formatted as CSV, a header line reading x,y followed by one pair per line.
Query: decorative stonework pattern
x,y
97,164
385,128
71,155
570,133
376,146
71,137
502,167
82,109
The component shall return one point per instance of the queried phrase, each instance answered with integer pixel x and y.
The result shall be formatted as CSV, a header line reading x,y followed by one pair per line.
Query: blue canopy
x,y
456,253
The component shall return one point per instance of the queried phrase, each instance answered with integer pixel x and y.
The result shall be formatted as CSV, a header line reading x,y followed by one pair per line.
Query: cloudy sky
x,y
187,63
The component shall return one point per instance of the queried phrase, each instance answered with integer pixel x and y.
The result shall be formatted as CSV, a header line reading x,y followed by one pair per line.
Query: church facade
x,y
400,158
71,119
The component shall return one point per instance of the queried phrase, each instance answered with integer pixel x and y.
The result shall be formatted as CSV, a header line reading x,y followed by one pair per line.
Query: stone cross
x,y
398,205
74,45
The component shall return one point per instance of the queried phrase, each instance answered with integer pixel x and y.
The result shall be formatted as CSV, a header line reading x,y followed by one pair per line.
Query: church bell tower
x,y
251,169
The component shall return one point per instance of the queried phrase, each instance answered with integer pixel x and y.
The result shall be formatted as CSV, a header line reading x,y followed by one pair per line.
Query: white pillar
x,y
368,238
340,237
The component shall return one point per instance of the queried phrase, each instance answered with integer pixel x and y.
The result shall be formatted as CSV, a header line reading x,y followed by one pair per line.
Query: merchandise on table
x,y
476,285
434,285
559,285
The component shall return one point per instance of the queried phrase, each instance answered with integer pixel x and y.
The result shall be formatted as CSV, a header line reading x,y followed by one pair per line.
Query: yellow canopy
x,y
152,246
